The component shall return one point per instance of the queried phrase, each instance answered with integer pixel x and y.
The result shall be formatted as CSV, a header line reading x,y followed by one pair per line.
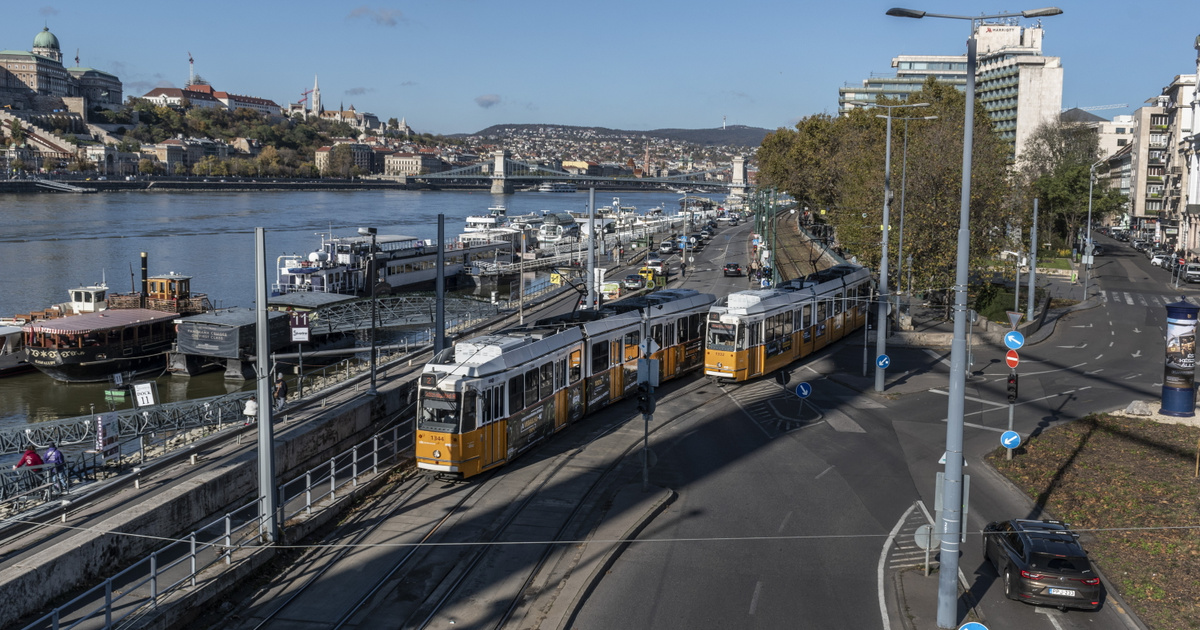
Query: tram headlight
x,y
437,454
720,365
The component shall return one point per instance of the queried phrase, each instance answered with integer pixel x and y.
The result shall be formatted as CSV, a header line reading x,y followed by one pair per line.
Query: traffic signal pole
x,y
1012,399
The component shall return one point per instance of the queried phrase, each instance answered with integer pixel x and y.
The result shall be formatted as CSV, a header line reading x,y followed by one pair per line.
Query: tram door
x,y
492,431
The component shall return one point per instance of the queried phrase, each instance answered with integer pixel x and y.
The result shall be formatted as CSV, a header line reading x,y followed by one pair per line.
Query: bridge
x,y
504,171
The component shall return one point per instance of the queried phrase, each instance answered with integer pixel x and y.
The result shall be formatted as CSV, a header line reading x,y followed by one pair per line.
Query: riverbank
x,y
219,184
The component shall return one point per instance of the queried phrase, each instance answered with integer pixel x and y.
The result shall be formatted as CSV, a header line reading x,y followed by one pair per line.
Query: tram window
x,y
498,402
670,335
599,357
632,338
547,384
821,316
681,329
560,374
721,335
470,397
576,366
756,334
694,326
486,407
656,333
531,387
516,394
615,355
837,304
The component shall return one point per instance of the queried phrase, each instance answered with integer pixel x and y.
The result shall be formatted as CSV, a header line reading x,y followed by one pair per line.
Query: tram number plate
x,y
1062,591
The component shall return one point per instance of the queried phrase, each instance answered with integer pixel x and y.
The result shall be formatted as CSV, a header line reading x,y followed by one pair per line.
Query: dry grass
x,y
1131,482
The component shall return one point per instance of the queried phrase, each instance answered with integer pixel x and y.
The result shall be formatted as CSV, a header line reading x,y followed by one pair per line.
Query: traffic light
x,y
645,399
1012,387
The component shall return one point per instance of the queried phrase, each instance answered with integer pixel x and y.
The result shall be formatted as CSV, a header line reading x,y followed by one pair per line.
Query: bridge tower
x,y
500,183
737,186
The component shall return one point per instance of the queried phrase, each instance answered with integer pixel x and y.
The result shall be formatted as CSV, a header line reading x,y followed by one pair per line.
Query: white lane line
x,y
1051,615
1142,300
754,598
1110,344
1129,299
823,472
786,519
1098,357
887,544
937,356
972,398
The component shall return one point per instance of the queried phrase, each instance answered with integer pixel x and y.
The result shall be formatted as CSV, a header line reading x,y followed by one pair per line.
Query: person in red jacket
x,y
31,458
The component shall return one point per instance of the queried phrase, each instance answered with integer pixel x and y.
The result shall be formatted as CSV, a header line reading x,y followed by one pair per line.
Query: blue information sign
x,y
1014,340
973,625
883,361
1010,439
803,390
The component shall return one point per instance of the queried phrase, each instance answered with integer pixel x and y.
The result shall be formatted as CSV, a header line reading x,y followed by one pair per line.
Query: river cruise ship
x,y
557,187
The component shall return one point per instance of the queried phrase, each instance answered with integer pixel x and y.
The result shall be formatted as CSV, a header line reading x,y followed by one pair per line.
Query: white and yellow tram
x,y
486,400
752,333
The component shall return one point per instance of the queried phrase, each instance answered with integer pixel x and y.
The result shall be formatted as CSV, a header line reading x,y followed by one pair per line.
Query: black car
x,y
733,269
1041,562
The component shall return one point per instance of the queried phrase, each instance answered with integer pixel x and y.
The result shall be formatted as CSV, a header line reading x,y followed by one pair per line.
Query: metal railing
x,y
232,538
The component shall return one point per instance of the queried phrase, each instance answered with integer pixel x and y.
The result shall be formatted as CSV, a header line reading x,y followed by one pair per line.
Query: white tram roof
x,y
502,351
763,300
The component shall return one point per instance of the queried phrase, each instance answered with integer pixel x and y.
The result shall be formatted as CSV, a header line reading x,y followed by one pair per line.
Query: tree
x,y
341,160
146,166
17,132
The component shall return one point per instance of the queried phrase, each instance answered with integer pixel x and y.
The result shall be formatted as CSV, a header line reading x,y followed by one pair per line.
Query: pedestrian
x,y
281,390
251,410
58,468
30,458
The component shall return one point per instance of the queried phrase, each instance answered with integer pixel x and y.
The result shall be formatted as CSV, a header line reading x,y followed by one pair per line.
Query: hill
x,y
732,135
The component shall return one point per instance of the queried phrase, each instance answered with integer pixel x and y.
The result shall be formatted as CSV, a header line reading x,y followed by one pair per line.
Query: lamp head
x,y
908,13
1042,12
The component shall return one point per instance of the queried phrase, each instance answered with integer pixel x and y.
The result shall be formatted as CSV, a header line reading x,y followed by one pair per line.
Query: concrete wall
x,y
89,557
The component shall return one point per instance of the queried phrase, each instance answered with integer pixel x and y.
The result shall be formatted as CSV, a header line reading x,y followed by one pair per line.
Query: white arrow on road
x,y
1137,354
1136,330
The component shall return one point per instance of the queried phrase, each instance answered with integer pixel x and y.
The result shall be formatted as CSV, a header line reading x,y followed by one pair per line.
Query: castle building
x,y
26,78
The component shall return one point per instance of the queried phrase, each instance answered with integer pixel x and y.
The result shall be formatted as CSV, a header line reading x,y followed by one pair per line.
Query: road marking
x,y
1098,357
1136,330
1142,300
1132,376
1110,344
1052,615
887,544
754,598
937,356
788,517
841,422
1137,354
1097,371
819,476
971,398
1058,370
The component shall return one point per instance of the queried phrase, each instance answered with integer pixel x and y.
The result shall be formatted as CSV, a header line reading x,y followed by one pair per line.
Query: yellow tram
x,y
486,400
752,333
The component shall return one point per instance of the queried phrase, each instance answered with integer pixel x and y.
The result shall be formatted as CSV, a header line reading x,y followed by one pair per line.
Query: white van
x,y
667,247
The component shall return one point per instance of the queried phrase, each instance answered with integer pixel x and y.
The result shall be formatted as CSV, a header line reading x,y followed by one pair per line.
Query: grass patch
x,y
1054,263
1130,481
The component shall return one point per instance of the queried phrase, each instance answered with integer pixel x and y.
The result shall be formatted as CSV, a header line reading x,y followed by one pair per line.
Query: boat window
x,y
632,338
576,366
516,394
599,357
721,336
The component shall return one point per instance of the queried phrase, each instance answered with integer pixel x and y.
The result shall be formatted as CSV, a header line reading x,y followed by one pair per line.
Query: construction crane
x,y
304,97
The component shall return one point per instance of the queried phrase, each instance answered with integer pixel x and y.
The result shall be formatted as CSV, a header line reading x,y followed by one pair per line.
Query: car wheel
x,y
1008,587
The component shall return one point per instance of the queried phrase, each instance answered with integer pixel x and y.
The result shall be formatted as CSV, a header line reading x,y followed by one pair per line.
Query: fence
x,y
182,563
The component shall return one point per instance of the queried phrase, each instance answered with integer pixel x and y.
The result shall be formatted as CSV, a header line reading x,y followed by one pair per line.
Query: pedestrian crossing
x,y
772,407
1137,299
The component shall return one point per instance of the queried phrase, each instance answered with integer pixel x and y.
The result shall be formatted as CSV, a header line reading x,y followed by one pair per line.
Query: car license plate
x,y
1062,591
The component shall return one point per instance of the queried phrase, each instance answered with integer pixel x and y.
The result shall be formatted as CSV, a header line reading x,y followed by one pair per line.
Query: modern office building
x,y
1018,86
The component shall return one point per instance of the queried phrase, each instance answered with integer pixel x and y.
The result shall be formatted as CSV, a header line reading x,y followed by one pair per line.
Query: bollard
x,y
137,478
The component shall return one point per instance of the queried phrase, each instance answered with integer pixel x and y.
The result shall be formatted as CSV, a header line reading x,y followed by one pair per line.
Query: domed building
x,y
25,76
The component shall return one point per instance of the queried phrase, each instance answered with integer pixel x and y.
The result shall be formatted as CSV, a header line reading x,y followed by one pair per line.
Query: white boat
x,y
558,227
85,299
496,217
557,187
343,264
12,351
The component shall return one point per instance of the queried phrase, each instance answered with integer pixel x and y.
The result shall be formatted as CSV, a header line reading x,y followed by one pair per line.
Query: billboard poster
x,y
1179,372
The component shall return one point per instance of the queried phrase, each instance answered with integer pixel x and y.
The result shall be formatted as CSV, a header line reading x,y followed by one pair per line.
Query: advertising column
x,y
1178,392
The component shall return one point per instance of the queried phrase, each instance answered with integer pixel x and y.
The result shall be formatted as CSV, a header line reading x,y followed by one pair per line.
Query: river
x,y
52,243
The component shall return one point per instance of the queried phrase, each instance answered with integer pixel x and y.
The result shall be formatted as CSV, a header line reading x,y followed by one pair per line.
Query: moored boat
x,y
131,336
557,187
12,351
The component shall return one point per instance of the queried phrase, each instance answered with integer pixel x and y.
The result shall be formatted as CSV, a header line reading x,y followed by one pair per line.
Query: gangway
x,y
62,187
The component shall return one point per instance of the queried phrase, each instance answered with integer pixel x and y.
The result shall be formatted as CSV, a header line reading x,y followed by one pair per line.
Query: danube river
x,y
54,242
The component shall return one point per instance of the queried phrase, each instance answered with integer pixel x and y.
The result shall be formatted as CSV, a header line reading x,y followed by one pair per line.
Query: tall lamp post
x,y
881,318
373,278
951,525
1087,245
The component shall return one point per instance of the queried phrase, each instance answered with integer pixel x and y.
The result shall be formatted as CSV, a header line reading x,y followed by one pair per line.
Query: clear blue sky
x,y
455,66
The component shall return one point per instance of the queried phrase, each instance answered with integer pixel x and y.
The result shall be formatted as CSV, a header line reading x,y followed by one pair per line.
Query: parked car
x,y
633,282
1041,562
659,267
667,247
706,233
1160,260
1191,273
733,269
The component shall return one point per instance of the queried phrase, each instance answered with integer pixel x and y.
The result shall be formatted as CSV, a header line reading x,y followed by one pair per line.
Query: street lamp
x,y
881,318
372,277
1087,245
951,526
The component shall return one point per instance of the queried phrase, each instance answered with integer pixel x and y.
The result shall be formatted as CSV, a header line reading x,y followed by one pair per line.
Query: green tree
x,y
341,160
146,166
16,132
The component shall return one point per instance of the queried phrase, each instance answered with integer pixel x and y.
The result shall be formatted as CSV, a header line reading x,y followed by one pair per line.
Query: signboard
x,y
1012,359
107,434
882,361
804,390
145,394
1014,318
647,371
1014,340
1010,439
300,330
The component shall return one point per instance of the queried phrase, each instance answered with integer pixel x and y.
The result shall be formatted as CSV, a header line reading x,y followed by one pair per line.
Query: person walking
x,y
281,390
30,458
57,470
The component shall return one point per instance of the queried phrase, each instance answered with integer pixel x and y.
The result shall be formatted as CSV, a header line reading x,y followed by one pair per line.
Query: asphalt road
x,y
782,515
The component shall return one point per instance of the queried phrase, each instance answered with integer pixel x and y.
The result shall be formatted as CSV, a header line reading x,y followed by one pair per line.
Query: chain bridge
x,y
504,172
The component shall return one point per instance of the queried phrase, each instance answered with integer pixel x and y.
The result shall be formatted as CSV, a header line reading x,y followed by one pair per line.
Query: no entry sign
x,y
1012,359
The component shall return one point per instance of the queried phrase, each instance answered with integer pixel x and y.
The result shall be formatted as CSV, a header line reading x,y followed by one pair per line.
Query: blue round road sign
x,y
803,390
1010,439
1014,340
883,361
973,625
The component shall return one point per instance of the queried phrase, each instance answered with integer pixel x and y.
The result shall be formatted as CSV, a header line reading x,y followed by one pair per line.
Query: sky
x,y
460,66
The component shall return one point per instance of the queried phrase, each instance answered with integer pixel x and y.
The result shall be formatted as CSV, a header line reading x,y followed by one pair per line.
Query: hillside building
x,y
37,80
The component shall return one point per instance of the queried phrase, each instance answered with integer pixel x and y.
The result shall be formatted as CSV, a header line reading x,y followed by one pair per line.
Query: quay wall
x,y
91,556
